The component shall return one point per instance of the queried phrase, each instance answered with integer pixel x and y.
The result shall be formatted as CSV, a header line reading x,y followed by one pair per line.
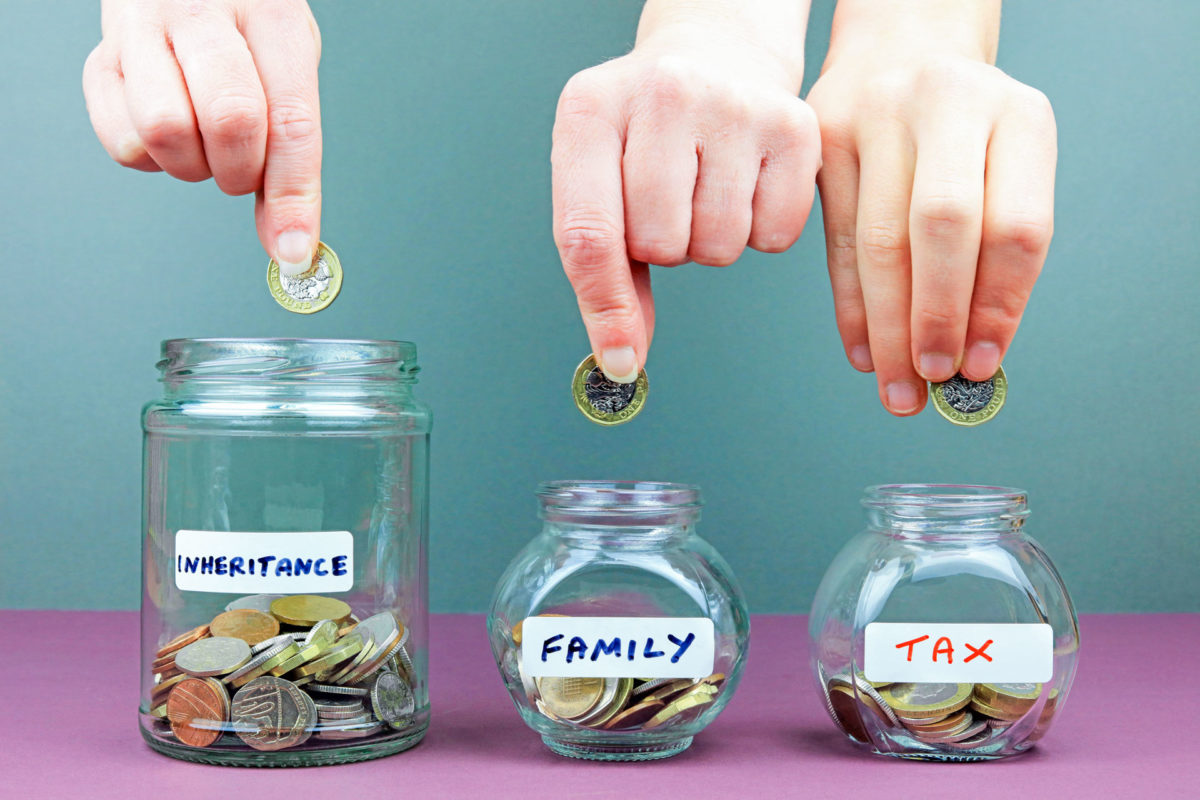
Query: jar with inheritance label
x,y
942,632
284,603
618,631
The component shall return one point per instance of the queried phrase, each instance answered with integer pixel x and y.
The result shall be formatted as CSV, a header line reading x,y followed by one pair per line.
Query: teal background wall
x,y
437,124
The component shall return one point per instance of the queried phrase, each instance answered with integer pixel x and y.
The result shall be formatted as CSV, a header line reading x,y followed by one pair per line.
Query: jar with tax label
x,y
285,502
618,631
942,632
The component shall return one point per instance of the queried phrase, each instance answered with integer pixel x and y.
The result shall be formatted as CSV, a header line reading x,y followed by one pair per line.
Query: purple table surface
x,y
70,730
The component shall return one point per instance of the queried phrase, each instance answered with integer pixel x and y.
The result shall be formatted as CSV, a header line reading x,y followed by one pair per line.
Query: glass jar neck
x,y
945,511
619,514
313,368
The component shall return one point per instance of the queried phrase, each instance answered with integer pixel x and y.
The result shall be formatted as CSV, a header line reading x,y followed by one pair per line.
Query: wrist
x,y
900,30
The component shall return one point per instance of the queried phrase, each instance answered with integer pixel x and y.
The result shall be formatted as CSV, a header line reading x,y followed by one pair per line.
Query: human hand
x,y
689,148
226,89
938,196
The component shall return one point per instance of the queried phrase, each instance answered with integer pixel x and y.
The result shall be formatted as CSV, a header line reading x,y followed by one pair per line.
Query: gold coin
x,y
247,624
311,291
926,700
606,402
306,610
995,713
693,699
307,653
621,693
343,649
570,697
970,403
1011,697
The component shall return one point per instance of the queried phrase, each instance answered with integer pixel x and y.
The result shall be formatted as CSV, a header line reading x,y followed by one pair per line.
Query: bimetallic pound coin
x,y
391,699
606,402
263,662
570,697
217,655
197,709
616,695
270,713
926,700
695,698
306,610
343,649
247,624
325,631
311,291
274,641
969,403
1013,698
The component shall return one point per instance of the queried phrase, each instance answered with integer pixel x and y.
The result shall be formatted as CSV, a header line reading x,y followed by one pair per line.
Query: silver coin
x,y
864,687
261,658
339,673
216,655
611,685
350,731
270,713
650,685
332,723
283,638
406,662
324,688
364,672
967,396
924,694
359,713
391,698
258,602
308,286
329,706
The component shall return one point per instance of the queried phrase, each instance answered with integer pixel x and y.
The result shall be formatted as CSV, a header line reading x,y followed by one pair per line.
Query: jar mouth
x,y
942,504
287,359
619,503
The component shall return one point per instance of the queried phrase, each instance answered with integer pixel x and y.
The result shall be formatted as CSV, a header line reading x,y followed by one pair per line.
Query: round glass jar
x,y
942,632
284,599
619,632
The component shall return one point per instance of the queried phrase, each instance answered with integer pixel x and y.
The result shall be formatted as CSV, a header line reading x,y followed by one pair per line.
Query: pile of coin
x,y
623,704
948,716
296,665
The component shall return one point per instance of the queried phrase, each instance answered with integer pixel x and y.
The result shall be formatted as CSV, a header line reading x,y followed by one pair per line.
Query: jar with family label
x,y
943,632
284,602
618,631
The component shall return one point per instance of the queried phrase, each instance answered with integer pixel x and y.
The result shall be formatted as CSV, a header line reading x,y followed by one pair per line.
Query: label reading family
x,y
919,652
258,563
617,647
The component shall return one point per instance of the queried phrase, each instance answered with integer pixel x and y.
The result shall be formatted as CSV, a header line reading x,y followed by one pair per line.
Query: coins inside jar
x,y
968,403
949,717
310,291
605,401
267,696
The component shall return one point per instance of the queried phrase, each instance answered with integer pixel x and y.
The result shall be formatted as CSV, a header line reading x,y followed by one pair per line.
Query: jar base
x,y
948,758
597,751
343,754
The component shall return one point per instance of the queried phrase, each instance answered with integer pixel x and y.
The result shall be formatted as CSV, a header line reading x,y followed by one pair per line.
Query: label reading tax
x,y
920,652
261,563
618,647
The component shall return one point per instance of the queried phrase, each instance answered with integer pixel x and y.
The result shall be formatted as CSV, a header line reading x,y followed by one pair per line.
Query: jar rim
x,y
950,499
286,358
617,496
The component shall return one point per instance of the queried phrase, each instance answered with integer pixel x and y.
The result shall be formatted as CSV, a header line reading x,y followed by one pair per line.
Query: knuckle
x,y
928,317
713,254
946,76
1028,235
235,119
664,253
583,96
1035,104
588,244
944,214
293,121
129,151
609,312
667,83
889,89
165,130
884,245
773,241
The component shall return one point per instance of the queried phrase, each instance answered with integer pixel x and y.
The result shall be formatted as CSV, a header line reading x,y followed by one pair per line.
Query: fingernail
x,y
619,364
860,358
936,366
294,253
982,361
902,397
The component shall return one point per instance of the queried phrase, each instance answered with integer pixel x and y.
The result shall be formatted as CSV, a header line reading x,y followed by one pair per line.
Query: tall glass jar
x,y
284,605
618,631
942,632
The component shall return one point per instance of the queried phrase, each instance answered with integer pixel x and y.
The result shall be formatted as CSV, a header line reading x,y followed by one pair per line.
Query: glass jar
x,y
284,605
619,632
942,632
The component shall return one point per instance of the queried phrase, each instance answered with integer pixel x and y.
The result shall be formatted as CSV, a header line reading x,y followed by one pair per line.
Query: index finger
x,y
284,42
589,230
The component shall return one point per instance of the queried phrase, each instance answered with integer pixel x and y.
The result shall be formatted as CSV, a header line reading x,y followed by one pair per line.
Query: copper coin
x,y
848,713
162,687
247,624
634,716
182,640
197,709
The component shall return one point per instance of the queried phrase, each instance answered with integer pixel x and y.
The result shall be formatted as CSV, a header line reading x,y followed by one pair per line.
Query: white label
x,y
617,647
919,652
264,563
